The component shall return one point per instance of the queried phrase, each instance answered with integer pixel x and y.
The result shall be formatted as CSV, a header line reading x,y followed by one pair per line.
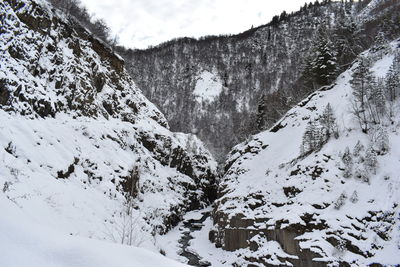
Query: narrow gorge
x,y
278,146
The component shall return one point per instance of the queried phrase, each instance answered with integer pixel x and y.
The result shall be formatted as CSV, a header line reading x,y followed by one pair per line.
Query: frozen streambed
x,y
188,242
190,226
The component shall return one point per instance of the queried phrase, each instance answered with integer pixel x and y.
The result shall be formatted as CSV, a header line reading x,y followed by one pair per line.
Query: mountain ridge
x,y
262,71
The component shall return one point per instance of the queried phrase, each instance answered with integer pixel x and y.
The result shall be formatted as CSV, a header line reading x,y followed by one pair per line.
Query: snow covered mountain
x,y
316,189
254,77
89,165
81,149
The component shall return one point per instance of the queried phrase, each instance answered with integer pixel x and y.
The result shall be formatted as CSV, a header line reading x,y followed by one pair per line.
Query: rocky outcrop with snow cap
x,y
81,149
336,205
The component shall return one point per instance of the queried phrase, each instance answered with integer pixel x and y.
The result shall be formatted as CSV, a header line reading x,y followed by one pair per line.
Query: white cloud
x,y
140,23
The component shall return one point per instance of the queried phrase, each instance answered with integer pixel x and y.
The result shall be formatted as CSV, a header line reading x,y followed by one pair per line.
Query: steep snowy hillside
x,y
81,149
315,189
258,75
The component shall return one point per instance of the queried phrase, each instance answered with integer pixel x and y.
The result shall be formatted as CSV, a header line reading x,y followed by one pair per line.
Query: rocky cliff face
x,y
80,143
335,205
216,86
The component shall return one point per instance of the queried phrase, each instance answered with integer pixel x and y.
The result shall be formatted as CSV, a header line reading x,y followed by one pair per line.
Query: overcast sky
x,y
140,23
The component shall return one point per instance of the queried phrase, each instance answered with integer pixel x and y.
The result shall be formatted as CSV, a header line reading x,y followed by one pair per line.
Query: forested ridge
x,y
263,71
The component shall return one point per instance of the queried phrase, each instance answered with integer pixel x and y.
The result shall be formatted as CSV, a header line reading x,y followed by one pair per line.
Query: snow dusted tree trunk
x,y
127,227
361,81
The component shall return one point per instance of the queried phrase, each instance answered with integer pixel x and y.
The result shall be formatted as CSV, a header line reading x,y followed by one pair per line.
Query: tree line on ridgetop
x,y
74,9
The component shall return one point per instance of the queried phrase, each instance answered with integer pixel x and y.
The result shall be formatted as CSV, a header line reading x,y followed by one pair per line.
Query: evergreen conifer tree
x,y
393,81
358,148
324,65
371,161
327,120
377,101
313,138
379,42
320,66
347,37
348,163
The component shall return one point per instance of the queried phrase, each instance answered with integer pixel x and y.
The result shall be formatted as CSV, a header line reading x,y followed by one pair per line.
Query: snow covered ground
x,y
28,243
83,154
67,173
271,185
208,87
78,138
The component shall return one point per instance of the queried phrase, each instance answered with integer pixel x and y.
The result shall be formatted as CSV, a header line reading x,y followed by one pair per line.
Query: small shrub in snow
x,y
328,122
313,138
371,161
362,175
379,140
127,228
10,148
340,248
336,131
340,201
346,157
358,148
14,172
6,186
354,197
348,163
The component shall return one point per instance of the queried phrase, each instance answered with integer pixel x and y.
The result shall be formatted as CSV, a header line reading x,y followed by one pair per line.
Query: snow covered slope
x,y
208,87
81,149
339,204
25,243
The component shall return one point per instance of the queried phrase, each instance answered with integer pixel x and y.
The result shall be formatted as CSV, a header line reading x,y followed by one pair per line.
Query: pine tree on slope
x,y
313,138
377,101
393,81
348,163
327,120
324,65
320,66
347,37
